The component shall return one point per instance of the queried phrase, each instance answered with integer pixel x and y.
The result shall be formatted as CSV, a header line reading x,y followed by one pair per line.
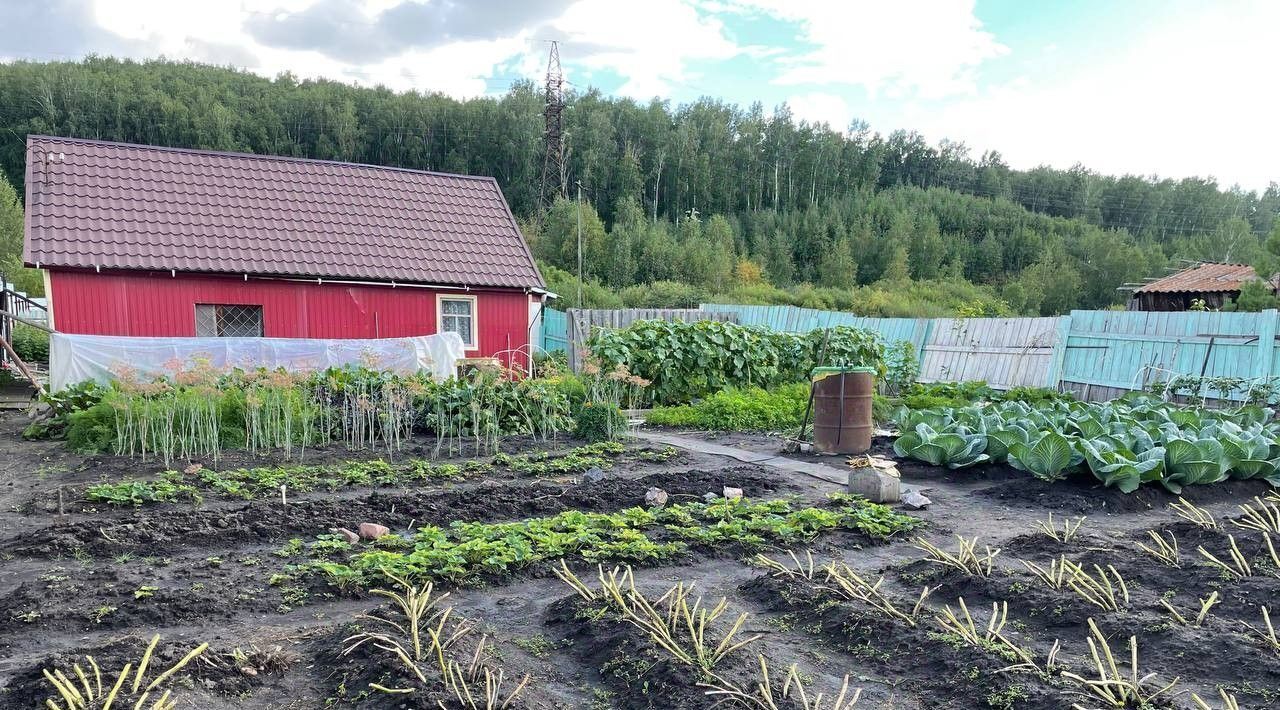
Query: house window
x,y
458,315
227,321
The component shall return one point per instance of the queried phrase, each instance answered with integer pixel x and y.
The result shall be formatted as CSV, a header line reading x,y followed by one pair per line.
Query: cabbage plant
x,y
1193,462
950,449
1047,457
1119,467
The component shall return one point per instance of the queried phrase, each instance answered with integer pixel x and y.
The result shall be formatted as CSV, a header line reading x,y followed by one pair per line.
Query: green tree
x,y
898,268
1050,287
12,271
838,269
1254,296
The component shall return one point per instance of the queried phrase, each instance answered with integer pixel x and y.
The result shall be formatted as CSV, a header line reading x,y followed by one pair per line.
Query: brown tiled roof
x,y
95,204
1203,279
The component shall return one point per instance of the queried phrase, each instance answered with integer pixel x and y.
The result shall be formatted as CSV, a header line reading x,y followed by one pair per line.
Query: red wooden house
x,y
150,241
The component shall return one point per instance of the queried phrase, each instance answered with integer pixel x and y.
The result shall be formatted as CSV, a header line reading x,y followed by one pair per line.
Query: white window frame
x,y
475,315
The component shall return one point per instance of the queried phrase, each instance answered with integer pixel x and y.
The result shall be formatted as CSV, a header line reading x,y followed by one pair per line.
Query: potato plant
x,y
467,550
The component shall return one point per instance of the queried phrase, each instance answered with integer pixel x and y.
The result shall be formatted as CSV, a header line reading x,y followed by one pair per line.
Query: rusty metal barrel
x,y
842,398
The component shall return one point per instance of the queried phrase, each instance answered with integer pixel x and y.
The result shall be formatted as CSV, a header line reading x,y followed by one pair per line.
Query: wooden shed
x,y
151,241
1211,282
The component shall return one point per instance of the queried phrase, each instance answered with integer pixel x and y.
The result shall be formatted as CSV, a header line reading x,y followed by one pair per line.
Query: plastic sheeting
x,y
76,358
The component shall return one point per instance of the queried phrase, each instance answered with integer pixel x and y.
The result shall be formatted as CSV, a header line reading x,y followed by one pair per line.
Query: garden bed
x,y
236,571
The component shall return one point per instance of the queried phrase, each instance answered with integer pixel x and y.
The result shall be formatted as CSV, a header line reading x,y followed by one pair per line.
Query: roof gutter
x,y
392,284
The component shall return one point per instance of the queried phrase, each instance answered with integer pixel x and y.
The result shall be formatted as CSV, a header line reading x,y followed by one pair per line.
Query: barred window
x,y
228,321
458,315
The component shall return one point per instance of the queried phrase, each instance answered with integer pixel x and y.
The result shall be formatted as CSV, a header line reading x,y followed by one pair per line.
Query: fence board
x,y
555,330
1005,352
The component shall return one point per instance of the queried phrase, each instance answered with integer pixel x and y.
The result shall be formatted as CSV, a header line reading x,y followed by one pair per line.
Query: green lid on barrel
x,y
819,372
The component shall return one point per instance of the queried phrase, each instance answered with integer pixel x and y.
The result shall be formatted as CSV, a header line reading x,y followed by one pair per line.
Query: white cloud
x,y
904,47
1192,96
650,44
819,107
215,32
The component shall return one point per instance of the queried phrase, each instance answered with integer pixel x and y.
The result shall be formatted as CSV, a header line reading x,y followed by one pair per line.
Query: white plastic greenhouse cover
x,y
76,358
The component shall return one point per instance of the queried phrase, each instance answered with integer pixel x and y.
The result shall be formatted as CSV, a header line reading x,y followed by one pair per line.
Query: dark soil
x,y
1082,493
213,670
163,529
952,675
101,581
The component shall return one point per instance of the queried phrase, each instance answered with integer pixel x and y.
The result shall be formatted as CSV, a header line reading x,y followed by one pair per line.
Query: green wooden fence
x,y
1098,354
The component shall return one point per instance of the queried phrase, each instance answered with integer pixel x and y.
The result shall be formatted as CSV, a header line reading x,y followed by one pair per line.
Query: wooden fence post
x,y
1059,352
1266,343
923,341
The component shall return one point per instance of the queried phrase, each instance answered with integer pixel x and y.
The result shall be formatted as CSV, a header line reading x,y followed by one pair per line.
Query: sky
x,y
1174,88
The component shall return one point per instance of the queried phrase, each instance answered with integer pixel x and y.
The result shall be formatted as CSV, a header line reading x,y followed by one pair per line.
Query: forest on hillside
x,y
696,202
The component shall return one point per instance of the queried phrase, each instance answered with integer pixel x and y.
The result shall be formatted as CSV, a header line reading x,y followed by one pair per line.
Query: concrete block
x,y
874,485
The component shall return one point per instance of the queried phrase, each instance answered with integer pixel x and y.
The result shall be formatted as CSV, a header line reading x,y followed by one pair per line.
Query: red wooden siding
x,y
159,305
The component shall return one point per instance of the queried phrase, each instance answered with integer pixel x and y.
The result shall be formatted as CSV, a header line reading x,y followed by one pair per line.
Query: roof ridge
x,y
260,156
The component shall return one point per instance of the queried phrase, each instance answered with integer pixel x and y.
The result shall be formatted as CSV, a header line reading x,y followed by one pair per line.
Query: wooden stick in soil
x,y
22,366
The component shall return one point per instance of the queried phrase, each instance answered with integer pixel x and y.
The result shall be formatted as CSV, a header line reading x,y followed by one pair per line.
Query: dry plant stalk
x,y
992,636
488,697
1099,589
1267,634
1265,518
761,694
1239,567
1271,552
1112,685
1205,606
967,630
1027,663
805,570
428,646
1228,701
1070,527
966,559
1164,551
1060,572
100,697
851,585
1187,510
676,625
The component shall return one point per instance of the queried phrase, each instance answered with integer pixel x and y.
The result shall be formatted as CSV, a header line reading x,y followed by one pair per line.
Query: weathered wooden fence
x,y
555,330
1096,354
1111,352
1005,352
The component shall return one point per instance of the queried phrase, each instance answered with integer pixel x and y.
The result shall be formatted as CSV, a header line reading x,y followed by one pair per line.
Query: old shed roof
x,y
1204,278
95,204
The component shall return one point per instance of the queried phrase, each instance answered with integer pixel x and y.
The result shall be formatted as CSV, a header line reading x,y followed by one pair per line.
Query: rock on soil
x,y
373,531
352,538
732,493
655,496
915,500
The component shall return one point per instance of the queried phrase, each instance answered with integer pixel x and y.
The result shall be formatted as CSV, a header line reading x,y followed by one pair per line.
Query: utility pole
x,y
579,244
553,167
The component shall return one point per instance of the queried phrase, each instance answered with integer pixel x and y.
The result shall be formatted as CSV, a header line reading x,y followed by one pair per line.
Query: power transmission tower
x,y
554,179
